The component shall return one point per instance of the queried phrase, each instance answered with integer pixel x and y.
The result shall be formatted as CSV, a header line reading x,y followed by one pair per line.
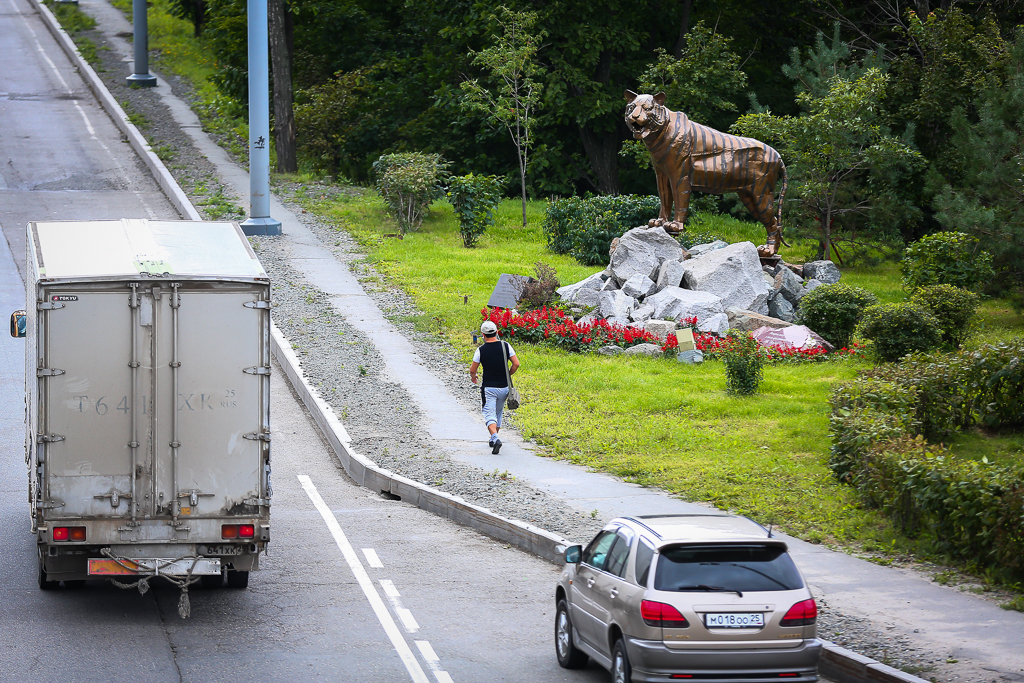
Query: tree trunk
x,y
684,28
603,153
825,244
280,26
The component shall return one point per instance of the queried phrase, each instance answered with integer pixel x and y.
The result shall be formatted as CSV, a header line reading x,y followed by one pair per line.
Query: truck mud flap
x,y
154,567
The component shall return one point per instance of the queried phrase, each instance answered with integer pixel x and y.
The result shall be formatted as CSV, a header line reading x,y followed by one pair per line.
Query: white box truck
x,y
148,401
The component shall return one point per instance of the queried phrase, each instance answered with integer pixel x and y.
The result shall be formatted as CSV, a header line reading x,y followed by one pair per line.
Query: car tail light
x,y
802,613
660,614
69,533
246,530
229,531
238,531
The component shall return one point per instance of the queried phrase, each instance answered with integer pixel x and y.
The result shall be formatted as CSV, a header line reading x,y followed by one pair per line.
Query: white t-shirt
x,y
476,355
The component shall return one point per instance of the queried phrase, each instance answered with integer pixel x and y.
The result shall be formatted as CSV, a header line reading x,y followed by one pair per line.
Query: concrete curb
x,y
836,662
366,473
156,167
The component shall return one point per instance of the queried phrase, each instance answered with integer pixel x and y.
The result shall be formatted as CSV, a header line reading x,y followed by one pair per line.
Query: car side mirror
x,y
572,554
19,321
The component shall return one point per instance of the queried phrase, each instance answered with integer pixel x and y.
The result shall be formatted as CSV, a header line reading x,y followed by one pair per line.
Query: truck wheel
x,y
238,579
44,583
212,580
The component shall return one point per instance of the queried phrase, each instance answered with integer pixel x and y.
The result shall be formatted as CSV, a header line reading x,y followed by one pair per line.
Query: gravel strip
x,y
348,369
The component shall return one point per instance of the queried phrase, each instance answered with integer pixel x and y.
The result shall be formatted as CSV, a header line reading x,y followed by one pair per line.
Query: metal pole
x,y
259,221
141,77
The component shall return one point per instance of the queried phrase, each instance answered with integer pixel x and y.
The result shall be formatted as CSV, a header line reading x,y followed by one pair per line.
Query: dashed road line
x,y
372,559
398,641
433,661
395,597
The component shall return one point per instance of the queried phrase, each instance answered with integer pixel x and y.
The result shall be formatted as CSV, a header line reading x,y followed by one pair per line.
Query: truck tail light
x,y
802,613
660,614
69,533
238,531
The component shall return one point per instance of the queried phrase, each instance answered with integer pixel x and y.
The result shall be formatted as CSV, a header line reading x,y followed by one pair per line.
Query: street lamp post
x,y
259,221
140,27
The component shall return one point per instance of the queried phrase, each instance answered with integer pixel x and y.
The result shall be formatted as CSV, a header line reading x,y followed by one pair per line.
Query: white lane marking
x,y
376,602
372,559
85,117
433,661
405,615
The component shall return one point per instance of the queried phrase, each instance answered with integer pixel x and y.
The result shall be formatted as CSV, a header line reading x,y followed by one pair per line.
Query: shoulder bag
x,y
513,394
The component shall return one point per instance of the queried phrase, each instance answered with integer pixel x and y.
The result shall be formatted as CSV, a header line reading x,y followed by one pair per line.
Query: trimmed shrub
x,y
409,182
945,392
744,364
972,510
584,227
953,307
946,258
899,329
865,412
474,198
833,311
997,370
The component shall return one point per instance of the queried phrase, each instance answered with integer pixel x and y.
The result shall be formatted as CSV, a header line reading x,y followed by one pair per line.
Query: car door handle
x,y
590,583
613,592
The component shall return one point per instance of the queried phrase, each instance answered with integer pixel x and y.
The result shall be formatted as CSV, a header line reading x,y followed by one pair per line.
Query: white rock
x,y
824,271
609,285
588,319
660,328
641,251
716,324
642,312
638,286
808,288
652,350
610,350
674,303
733,274
616,304
670,274
569,292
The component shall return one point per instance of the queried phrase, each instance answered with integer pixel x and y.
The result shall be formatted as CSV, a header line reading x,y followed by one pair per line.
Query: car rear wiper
x,y
711,589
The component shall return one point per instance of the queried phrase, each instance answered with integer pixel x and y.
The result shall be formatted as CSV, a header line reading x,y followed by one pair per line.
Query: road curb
x,y
836,662
156,167
366,473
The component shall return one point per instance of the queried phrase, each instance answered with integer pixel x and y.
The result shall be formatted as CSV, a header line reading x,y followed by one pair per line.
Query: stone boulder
x,y
641,251
638,286
569,293
650,350
674,303
789,285
748,321
701,249
660,328
733,274
670,274
824,271
716,324
808,288
642,313
616,304
610,350
781,308
691,357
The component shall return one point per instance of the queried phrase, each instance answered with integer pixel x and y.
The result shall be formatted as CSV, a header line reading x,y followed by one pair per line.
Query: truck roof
x,y
130,247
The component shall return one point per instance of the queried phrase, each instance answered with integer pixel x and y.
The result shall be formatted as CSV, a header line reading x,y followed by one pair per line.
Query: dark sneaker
x,y
496,446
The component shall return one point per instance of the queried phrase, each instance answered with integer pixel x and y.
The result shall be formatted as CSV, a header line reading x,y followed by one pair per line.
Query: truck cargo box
x,y
148,400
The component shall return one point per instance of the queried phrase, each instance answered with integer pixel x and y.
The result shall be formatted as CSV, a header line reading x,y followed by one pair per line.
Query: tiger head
x,y
645,114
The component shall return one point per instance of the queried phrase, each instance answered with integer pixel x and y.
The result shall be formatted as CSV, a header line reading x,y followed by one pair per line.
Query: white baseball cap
x,y
489,328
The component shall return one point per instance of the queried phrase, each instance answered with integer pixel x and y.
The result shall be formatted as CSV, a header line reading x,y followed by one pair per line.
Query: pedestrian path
x,y
964,627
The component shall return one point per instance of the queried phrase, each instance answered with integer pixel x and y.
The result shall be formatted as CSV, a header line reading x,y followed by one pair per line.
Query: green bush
x,y
945,387
833,311
972,510
946,258
584,227
997,370
474,198
744,364
865,412
409,182
536,292
899,329
953,307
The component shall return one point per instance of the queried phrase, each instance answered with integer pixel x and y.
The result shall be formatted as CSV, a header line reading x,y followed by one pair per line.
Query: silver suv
x,y
676,597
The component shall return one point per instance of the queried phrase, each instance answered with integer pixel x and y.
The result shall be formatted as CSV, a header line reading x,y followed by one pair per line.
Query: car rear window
x,y
728,568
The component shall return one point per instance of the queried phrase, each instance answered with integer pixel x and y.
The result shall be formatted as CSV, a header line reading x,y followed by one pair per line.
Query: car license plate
x,y
735,620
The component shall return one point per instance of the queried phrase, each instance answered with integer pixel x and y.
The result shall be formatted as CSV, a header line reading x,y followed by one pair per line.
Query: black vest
x,y
492,360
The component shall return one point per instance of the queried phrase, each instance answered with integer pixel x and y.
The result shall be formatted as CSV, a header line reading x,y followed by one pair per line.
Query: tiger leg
x,y
665,195
681,198
761,208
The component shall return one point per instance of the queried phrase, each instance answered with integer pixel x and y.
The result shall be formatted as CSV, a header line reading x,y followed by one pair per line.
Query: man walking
x,y
493,355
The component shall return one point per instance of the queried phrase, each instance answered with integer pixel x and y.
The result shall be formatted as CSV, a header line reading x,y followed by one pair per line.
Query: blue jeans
x,y
494,403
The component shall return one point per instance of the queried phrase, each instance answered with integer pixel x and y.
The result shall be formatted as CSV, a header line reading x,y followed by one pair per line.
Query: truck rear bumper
x,y
148,566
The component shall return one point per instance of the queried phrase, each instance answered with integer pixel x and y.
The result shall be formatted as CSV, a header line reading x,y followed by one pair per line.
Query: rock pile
x,y
651,279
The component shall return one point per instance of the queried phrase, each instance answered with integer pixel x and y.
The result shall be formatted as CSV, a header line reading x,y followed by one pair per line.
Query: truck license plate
x,y
223,550
735,620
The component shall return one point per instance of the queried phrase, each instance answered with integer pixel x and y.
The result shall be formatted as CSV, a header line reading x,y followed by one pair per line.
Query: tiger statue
x,y
688,156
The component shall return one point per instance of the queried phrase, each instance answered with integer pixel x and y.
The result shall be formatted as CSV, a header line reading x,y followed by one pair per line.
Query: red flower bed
x,y
555,327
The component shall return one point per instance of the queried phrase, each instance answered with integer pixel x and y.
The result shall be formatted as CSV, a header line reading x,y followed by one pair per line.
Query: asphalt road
x,y
61,157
